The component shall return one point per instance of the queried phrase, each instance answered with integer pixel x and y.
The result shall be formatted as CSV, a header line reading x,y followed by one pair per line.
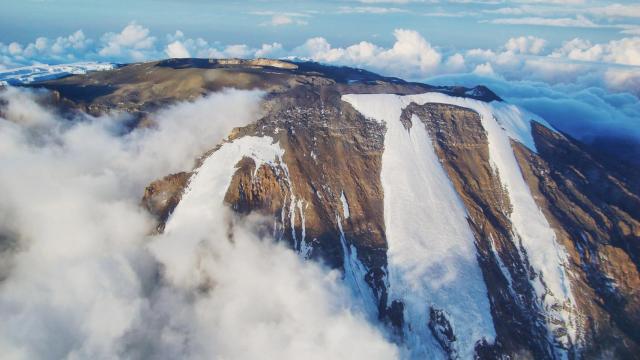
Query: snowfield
x,y
431,257
431,248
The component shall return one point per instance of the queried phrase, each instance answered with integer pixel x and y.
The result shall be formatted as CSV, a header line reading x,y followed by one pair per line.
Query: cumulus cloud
x,y
455,63
79,280
181,47
484,70
526,45
411,55
177,49
62,49
131,42
624,51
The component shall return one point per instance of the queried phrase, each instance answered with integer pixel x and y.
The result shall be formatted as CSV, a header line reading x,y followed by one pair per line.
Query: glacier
x,y
432,260
412,238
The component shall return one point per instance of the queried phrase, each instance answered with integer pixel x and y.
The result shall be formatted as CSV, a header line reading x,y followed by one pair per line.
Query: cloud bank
x,y
80,279
614,65
590,114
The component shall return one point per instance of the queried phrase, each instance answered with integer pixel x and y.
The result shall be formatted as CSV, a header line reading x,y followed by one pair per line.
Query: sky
x,y
451,24
75,30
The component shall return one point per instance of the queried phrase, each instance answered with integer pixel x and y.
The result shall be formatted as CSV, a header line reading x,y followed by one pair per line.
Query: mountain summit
x,y
465,226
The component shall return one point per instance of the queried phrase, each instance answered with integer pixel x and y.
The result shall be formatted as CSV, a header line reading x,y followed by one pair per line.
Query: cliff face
x,y
466,228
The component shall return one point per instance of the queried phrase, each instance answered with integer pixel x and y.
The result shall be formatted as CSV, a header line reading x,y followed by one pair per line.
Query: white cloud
x,y
484,70
181,46
624,51
369,10
269,50
411,55
15,49
508,11
579,49
283,18
616,11
451,14
455,63
132,42
526,45
561,2
579,21
392,1
622,79
611,12
79,280
278,20
75,285
177,49
481,53
631,30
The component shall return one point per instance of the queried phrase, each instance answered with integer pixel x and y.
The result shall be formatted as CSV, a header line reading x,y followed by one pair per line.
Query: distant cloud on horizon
x,y
613,65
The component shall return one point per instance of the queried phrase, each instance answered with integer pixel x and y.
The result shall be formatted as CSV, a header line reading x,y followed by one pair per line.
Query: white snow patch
x,y
29,74
345,206
431,256
304,248
354,275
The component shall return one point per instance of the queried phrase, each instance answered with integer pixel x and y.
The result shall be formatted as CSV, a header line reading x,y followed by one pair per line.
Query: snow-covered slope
x,y
29,74
415,208
432,257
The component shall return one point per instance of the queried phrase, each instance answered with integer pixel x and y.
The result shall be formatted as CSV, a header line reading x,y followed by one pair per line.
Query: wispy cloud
x,y
369,10
613,11
393,1
278,20
283,18
616,11
579,21
452,14
86,280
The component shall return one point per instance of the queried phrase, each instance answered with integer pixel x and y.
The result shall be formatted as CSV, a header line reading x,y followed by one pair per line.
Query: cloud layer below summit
x,y
614,65
79,272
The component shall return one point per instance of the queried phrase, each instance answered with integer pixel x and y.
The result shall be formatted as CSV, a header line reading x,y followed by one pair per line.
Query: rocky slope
x,y
468,227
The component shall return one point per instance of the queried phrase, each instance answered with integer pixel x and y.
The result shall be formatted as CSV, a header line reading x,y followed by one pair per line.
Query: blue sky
x,y
448,24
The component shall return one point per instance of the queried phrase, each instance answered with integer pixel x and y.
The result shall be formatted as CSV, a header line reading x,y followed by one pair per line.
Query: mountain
x,y
467,227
